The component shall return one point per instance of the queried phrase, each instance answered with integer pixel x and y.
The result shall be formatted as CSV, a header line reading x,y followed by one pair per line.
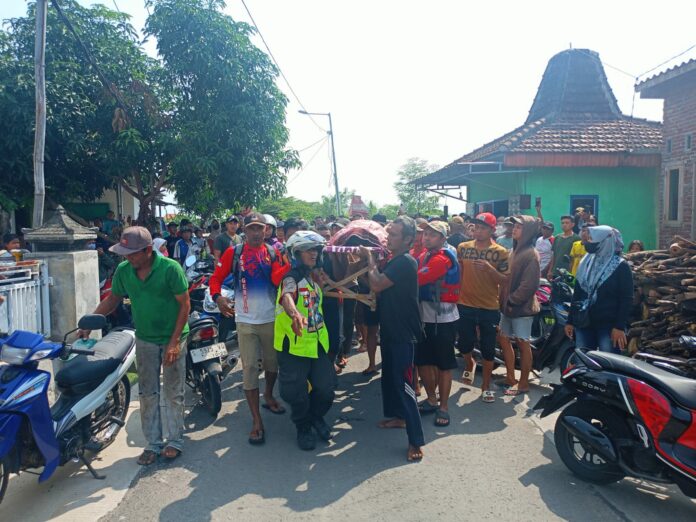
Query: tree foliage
x,y
415,201
205,119
230,142
79,111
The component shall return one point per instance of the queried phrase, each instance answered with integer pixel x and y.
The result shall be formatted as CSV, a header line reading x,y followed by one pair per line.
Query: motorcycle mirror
x,y
92,322
190,261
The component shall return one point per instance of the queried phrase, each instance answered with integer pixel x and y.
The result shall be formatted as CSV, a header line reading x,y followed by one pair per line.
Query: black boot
x,y
322,429
305,438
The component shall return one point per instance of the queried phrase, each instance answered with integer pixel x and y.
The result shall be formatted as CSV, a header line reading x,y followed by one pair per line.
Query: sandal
x,y
259,439
414,454
468,376
442,418
273,408
425,407
147,457
170,452
514,392
488,396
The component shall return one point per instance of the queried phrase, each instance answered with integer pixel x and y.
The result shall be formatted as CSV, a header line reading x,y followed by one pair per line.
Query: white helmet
x,y
270,220
304,240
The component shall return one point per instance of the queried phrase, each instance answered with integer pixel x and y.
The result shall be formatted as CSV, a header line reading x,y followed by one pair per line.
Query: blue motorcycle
x,y
91,408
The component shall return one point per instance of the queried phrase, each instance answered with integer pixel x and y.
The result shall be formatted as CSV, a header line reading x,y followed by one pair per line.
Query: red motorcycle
x,y
627,418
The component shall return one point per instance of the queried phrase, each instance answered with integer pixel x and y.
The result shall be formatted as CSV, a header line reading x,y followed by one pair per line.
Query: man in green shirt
x,y
562,244
158,291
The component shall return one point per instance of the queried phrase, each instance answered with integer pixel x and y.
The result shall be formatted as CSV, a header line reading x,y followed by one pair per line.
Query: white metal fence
x,y
24,287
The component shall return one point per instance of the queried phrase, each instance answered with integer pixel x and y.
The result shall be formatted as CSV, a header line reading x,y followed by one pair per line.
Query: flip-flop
x,y
171,456
514,392
256,441
278,410
503,384
147,457
415,456
425,407
488,396
441,416
367,373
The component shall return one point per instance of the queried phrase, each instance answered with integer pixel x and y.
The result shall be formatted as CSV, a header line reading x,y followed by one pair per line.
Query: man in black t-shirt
x,y
400,329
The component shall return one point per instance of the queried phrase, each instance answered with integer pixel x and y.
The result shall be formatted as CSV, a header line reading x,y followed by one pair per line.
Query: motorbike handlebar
x,y
78,351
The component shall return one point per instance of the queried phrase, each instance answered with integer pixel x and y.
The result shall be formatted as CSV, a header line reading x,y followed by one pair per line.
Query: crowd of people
x,y
446,286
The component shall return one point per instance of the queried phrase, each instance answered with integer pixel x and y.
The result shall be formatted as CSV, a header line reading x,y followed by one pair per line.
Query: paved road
x,y
493,462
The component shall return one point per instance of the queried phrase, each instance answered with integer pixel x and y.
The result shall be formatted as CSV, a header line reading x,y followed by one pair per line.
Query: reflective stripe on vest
x,y
314,333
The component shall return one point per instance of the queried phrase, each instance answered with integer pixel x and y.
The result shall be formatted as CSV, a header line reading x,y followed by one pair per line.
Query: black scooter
x,y
627,418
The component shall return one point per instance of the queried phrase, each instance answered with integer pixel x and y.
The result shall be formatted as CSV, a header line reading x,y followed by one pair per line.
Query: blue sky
x,y
435,79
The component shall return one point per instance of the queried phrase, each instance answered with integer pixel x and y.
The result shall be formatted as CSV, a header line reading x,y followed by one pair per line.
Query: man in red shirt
x,y
257,269
438,281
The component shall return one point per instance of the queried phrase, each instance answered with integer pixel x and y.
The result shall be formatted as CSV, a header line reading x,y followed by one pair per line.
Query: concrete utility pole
x,y
333,156
40,127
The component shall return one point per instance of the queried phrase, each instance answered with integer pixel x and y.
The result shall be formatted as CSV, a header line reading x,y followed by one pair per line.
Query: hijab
x,y
157,244
597,267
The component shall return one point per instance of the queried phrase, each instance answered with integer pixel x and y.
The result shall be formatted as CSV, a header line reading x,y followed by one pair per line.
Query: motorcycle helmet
x,y
270,220
302,241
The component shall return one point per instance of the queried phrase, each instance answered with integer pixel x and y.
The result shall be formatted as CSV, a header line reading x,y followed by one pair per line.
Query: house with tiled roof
x,y
676,197
575,149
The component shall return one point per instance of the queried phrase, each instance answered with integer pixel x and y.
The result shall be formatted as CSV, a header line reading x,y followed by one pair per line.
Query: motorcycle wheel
x,y
567,359
103,430
579,458
4,478
211,393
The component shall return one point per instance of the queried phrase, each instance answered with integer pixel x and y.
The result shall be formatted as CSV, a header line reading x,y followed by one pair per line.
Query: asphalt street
x,y
495,461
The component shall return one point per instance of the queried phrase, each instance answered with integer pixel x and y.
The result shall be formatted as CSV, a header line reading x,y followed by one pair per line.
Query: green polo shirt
x,y
153,305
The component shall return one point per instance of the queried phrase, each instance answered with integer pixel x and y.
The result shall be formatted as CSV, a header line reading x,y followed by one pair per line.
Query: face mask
x,y
91,246
592,248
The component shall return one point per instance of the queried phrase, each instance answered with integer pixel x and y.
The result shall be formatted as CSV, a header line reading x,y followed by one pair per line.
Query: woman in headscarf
x,y
159,245
603,294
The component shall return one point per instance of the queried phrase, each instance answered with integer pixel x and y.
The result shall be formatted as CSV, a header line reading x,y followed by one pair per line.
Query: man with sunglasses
x,y
158,291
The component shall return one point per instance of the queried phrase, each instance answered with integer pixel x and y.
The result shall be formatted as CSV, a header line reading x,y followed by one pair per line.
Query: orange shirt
x,y
479,289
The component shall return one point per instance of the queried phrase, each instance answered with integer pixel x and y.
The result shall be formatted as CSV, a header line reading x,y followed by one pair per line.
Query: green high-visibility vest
x,y
309,304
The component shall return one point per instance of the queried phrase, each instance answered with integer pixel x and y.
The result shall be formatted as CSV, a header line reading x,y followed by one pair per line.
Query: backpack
x,y
238,254
445,289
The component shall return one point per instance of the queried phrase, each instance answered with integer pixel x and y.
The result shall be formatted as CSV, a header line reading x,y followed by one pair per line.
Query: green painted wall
x,y
627,196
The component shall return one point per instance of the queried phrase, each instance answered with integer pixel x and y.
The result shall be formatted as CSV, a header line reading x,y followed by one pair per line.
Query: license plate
x,y
208,352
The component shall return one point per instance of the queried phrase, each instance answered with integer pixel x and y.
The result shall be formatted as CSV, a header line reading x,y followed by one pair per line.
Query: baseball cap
x,y
457,220
510,220
547,224
172,224
133,239
254,219
580,209
439,226
232,219
486,218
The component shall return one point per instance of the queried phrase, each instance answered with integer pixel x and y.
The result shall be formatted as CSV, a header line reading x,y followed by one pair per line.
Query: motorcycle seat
x,y
196,320
681,389
84,373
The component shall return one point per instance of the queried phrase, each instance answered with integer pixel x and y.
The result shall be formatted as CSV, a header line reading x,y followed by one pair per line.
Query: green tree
x,y
284,208
414,200
328,203
79,133
229,145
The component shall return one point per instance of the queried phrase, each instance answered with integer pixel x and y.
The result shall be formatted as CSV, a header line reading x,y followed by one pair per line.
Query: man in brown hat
x,y
158,291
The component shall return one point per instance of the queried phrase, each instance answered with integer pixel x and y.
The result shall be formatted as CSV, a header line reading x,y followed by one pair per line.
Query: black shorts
x,y
363,315
486,322
437,348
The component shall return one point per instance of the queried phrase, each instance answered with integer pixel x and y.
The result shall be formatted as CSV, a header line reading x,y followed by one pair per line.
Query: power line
x,y
313,144
316,152
297,98
667,61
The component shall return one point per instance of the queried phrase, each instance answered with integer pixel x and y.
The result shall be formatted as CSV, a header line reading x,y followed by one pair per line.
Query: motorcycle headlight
x,y
12,355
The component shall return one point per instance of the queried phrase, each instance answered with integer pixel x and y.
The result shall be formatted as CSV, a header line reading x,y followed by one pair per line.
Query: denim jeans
x,y
169,419
595,339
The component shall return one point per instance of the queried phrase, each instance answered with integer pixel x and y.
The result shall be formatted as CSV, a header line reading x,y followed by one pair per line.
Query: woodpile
x,y
665,282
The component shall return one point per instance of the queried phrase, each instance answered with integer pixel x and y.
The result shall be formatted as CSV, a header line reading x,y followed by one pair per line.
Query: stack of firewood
x,y
665,282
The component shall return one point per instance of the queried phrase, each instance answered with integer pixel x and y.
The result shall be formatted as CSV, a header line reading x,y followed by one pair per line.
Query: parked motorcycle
x,y
551,348
90,410
121,316
627,418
